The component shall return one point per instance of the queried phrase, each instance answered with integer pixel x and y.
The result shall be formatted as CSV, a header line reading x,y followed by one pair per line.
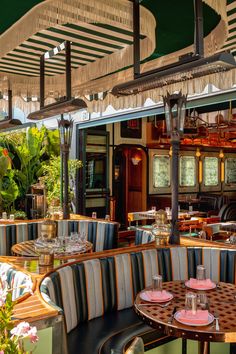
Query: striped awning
x,y
231,17
90,42
101,33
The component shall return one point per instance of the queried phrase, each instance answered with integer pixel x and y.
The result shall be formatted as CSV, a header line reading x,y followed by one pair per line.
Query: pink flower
x,y
3,282
2,352
21,330
33,335
3,296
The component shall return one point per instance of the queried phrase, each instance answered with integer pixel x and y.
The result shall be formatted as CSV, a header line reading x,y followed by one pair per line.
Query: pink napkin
x,y
157,295
201,316
200,284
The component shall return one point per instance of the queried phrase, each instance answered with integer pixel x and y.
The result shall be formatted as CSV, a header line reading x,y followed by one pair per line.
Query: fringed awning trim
x,y
84,85
53,13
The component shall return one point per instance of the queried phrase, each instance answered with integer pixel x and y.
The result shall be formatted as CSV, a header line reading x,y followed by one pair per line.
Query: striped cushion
x,y
15,279
179,262
103,235
11,234
143,236
124,283
94,290
150,266
98,286
68,297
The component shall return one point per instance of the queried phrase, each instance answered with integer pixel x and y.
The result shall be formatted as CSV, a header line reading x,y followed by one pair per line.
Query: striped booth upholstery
x,y
11,234
143,236
16,280
103,235
97,295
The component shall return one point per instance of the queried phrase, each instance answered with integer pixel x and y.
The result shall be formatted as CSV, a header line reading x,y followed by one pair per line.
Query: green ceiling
x,y
174,20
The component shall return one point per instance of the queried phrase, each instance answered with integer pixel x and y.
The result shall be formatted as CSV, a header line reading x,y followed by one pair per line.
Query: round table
x,y
27,249
222,299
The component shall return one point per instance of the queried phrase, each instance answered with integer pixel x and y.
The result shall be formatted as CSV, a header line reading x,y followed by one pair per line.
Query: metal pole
x,y
198,29
61,172
66,210
174,236
10,104
42,81
136,37
68,69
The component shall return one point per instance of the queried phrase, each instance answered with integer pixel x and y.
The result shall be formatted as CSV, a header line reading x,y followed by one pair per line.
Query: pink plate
x,y
187,283
145,297
210,320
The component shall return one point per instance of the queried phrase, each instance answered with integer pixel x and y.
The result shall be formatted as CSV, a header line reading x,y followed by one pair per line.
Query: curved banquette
x,y
20,282
96,293
103,235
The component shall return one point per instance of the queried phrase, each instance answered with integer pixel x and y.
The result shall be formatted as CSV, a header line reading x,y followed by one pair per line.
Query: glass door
x,y
92,183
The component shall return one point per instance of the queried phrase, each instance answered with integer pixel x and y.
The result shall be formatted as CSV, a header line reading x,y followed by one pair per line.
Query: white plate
x,y
187,283
210,320
144,297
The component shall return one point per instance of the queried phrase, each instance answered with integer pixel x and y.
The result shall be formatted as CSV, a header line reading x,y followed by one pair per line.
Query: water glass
x,y
191,302
154,208
107,217
157,282
4,215
94,215
12,217
203,301
201,272
83,237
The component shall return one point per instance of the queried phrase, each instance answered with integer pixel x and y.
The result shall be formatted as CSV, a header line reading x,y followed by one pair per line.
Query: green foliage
x,y
51,176
10,190
27,150
19,214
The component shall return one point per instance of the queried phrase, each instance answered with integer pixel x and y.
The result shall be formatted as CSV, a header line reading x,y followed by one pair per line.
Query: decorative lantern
x,y
175,112
65,129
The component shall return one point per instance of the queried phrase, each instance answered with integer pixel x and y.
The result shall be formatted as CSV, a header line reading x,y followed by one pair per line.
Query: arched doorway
x,y
129,181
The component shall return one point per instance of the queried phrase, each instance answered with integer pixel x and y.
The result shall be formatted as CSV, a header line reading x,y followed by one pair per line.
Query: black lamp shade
x,y
65,128
175,111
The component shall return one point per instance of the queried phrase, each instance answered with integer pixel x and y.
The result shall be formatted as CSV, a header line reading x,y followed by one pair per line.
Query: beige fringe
x,y
83,78
116,13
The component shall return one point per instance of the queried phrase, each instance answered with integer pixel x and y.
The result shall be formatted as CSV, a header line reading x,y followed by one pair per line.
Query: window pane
x,y
161,171
210,170
230,170
187,171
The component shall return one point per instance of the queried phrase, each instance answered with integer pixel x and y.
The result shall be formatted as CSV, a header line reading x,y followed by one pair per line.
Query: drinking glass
x,y
107,217
94,215
154,208
191,302
157,282
201,272
4,215
203,301
83,237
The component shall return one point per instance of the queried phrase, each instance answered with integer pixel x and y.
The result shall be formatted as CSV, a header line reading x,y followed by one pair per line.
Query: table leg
x,y
184,346
203,347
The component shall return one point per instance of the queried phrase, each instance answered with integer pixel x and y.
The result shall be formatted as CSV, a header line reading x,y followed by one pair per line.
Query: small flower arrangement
x,y
11,336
